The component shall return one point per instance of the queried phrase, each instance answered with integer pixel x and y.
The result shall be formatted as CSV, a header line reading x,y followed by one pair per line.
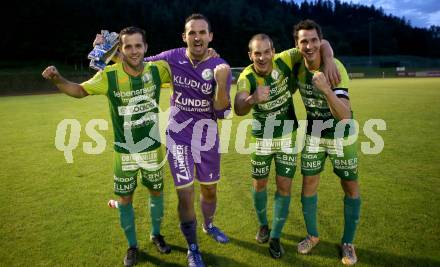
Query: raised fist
x,y
320,82
221,73
51,73
260,95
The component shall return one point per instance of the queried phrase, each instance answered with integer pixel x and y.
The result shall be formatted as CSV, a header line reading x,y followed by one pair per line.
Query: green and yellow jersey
x,y
279,106
133,103
315,101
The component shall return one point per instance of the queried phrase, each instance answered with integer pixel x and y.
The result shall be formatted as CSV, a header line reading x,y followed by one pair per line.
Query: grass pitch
x,y
55,214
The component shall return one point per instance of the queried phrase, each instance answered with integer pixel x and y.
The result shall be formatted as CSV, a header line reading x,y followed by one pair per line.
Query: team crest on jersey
x,y
275,74
207,74
146,77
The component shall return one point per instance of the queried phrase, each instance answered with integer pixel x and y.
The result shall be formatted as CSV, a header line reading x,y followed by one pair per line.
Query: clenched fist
x,y
51,73
320,82
221,73
260,95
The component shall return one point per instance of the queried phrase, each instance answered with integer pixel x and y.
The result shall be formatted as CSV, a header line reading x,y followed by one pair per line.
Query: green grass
x,y
55,214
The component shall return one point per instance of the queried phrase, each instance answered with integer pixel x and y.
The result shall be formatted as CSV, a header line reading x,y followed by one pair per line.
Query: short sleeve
x,y
341,90
164,71
243,84
97,85
291,56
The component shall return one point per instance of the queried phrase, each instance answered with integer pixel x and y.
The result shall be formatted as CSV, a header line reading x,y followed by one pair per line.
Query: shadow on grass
x,y
209,259
289,258
332,250
216,260
144,257
324,250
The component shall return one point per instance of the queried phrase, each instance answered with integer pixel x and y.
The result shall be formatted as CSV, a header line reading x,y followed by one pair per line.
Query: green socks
x,y
309,209
156,213
280,212
352,208
260,203
126,216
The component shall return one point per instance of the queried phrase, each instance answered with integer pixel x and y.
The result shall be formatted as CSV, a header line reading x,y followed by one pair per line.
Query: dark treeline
x,y
63,30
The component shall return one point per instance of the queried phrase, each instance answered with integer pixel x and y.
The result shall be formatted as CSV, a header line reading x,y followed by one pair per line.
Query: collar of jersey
x,y
139,75
191,61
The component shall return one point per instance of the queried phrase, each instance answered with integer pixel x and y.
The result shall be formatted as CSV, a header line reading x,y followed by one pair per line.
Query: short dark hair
x,y
307,24
132,30
260,36
195,16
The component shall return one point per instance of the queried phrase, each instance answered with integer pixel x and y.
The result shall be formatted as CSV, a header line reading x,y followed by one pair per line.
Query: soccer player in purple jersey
x,y
201,87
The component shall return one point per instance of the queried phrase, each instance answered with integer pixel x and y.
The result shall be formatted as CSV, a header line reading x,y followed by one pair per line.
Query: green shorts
x,y
343,157
281,150
127,166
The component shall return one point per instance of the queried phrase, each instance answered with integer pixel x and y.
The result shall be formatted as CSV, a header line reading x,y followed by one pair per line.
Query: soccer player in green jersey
x,y
265,87
133,89
327,109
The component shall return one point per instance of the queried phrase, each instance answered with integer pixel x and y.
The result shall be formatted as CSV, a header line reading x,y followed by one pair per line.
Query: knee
x,y
351,188
283,185
283,190
260,185
124,200
309,181
155,193
186,197
310,185
209,192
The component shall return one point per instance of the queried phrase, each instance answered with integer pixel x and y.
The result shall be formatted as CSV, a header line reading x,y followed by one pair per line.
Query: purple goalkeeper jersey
x,y
193,92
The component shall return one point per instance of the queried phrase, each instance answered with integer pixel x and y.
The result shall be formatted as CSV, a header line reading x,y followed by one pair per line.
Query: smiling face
x,y
308,43
133,49
197,38
261,54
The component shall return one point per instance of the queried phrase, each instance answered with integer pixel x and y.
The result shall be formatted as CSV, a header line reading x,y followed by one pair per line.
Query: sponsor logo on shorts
x,y
311,165
257,163
155,177
180,154
260,171
309,156
124,184
346,164
264,146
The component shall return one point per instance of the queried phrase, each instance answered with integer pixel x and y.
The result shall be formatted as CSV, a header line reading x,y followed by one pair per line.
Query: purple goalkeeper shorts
x,y
183,157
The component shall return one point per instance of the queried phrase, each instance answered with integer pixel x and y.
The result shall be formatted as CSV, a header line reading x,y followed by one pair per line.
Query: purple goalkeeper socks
x,y
189,231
